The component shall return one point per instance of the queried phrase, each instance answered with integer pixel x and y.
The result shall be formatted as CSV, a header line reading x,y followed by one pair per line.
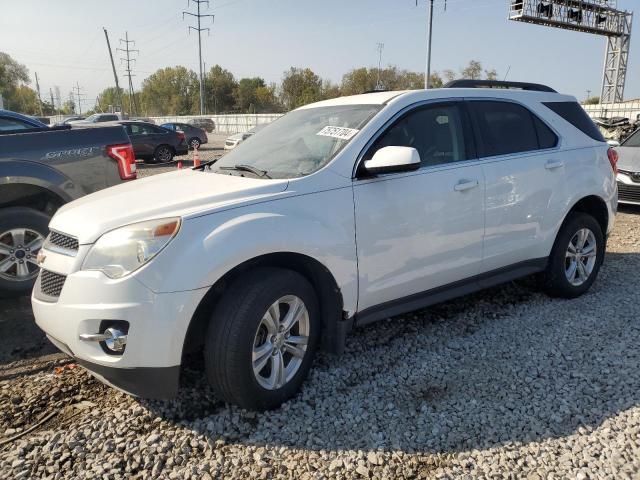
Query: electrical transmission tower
x,y
599,17
199,29
77,89
128,51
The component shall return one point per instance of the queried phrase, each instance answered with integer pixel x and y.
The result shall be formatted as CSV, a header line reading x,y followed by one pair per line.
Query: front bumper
x,y
628,188
157,326
144,382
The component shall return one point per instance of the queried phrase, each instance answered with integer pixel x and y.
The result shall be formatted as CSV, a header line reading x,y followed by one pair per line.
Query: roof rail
x,y
533,87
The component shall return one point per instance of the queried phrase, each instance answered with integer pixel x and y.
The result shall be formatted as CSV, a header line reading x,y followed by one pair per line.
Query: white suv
x,y
338,214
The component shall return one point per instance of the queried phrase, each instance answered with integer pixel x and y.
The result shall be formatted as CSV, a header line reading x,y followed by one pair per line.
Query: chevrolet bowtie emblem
x,y
40,257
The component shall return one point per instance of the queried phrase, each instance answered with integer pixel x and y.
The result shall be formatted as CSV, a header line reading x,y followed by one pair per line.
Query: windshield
x,y
300,142
633,140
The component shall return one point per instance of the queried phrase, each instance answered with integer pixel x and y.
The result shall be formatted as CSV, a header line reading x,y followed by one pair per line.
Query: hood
x,y
181,193
629,158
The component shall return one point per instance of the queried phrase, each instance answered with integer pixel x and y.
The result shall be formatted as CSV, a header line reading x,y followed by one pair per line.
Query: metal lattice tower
x,y
599,17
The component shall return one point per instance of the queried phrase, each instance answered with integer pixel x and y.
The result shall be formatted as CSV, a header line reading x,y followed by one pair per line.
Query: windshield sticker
x,y
342,133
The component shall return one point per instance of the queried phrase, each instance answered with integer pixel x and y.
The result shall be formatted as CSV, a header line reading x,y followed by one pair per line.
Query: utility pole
x,y
380,47
427,75
588,94
77,88
39,97
72,102
132,99
199,30
53,105
113,67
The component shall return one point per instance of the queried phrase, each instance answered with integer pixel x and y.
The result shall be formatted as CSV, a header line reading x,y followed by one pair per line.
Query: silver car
x,y
234,140
629,170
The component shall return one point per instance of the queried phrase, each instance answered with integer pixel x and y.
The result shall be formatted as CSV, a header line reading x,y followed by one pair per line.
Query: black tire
x,y
194,143
163,154
20,218
232,331
554,280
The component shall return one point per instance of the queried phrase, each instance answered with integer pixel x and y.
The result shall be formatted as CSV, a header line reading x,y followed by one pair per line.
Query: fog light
x,y
114,339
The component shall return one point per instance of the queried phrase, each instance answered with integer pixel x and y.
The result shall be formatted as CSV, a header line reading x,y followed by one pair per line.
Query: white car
x,y
629,170
340,213
234,140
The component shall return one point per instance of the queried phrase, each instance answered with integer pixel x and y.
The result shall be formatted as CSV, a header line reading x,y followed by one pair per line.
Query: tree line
x,y
176,90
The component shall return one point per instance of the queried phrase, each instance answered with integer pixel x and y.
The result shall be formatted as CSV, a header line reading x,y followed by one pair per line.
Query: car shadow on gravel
x,y
505,366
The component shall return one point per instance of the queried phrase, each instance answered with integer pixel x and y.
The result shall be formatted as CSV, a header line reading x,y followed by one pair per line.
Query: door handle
x,y
553,164
463,185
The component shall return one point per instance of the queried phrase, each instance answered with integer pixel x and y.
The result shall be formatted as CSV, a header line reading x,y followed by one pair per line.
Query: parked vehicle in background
x,y
69,119
195,136
341,213
234,140
144,119
206,124
629,170
14,122
153,143
40,171
99,118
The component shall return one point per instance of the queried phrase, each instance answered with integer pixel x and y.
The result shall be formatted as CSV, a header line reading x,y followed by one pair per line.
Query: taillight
x,y
181,136
613,159
125,158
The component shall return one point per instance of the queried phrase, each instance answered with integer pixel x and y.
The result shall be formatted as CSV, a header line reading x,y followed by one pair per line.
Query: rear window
x,y
505,128
573,113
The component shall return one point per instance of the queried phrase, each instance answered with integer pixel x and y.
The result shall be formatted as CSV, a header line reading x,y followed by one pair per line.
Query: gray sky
x,y
63,40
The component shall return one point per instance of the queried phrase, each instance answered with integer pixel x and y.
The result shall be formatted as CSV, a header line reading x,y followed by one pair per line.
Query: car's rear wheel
x,y
22,234
194,143
262,338
576,257
163,154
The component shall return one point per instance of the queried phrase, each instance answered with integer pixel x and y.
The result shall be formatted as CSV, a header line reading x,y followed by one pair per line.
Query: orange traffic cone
x,y
196,158
179,165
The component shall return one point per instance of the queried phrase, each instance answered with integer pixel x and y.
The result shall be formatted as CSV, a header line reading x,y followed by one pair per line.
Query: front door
x,y
417,231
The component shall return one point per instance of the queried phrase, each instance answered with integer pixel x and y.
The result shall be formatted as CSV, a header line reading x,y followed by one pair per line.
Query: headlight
x,y
119,252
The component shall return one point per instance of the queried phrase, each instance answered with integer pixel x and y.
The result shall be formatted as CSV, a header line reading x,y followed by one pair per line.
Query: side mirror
x,y
613,143
393,159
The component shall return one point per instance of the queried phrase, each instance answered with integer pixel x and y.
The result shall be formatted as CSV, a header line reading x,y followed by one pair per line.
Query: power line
x,y
199,30
132,99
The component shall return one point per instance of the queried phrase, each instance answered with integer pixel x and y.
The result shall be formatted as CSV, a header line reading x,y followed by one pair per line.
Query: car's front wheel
x,y
262,338
22,234
576,256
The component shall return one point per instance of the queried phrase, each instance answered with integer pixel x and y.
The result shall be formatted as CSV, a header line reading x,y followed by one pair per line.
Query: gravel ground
x,y
506,383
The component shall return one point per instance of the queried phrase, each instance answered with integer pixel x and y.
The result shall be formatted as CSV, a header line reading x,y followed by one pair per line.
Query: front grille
x,y
51,283
63,241
630,193
229,143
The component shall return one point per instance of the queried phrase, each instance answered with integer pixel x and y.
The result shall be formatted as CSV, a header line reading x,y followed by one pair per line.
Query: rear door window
x,y
633,140
504,128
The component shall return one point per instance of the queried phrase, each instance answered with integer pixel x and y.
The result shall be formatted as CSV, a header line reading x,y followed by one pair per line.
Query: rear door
x,y
420,230
141,138
525,189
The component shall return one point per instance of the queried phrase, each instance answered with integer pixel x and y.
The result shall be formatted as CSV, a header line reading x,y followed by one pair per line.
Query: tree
x,y
473,71
491,74
14,80
330,90
171,91
592,101
299,87
246,94
449,75
219,90
111,98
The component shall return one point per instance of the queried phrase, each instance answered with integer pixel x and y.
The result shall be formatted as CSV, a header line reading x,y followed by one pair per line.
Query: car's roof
x,y
382,98
20,116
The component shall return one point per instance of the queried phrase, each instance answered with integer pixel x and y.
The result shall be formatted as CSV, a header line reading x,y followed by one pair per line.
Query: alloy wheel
x,y
18,250
164,154
280,343
581,257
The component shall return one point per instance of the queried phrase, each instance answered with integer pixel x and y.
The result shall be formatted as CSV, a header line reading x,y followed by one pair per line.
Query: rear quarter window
x,y
573,113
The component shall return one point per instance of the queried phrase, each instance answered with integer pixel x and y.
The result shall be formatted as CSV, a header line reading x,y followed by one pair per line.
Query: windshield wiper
x,y
247,168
